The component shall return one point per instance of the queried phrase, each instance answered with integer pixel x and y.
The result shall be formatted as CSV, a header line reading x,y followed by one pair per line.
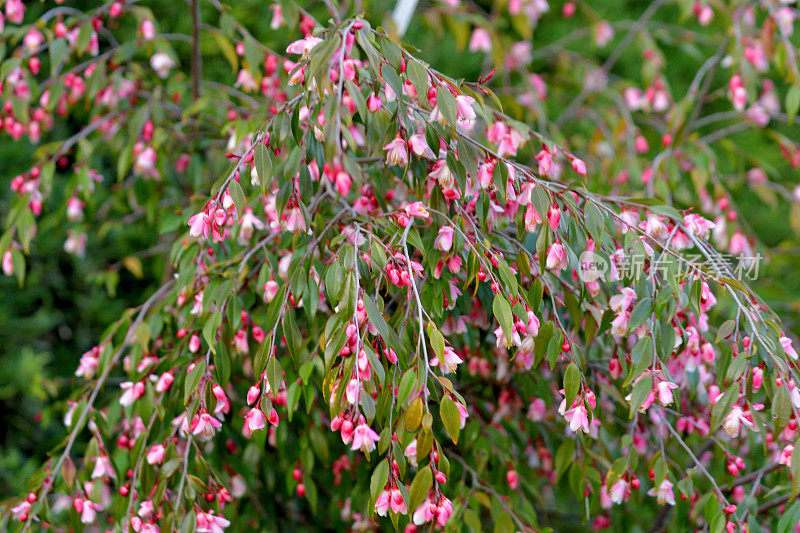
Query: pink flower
x,y
374,103
21,511
364,438
619,491
450,361
303,46
397,502
553,216
466,114
255,419
147,29
578,418
698,226
426,512
103,468
382,502
556,257
480,41
156,454
86,508
204,426
622,302
133,391
162,64
411,452
417,210
200,224
786,342
210,523
579,166
33,39
512,478
164,382
15,11
785,457
603,33
665,389
419,146
733,421
444,240
396,153
664,493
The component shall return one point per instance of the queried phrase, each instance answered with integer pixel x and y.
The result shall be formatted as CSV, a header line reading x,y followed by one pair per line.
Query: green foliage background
x,y
65,304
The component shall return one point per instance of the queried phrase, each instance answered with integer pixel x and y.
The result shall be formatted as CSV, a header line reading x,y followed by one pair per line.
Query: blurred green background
x,y
66,302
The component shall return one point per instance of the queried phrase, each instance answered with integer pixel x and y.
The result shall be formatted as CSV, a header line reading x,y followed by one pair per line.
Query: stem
x,y
197,60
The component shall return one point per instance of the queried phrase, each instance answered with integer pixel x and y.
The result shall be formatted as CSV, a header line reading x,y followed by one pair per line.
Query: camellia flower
x,y
450,361
417,210
734,420
665,389
411,452
103,468
204,426
162,64
396,153
255,419
444,240
364,438
664,493
156,454
442,174
786,342
698,226
556,257
620,491
303,46
785,457
210,523
133,391
480,41
382,502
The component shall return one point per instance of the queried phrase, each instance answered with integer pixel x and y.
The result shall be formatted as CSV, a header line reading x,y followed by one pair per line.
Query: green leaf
x,y
420,487
58,53
725,330
387,333
640,313
254,57
641,358
210,330
447,104
723,406
795,470
790,517
379,478
781,408
616,471
502,311
274,374
437,340
572,382
417,74
792,102
406,384
222,364
237,193
193,380
262,161
564,456
448,411
641,389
